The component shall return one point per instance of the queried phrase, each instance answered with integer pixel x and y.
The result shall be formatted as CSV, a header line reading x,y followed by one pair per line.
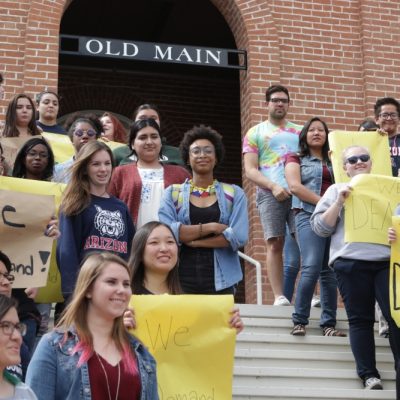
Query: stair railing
x,y
257,264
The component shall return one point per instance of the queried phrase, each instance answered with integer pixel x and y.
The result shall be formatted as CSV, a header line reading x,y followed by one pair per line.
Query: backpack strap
x,y
229,192
177,196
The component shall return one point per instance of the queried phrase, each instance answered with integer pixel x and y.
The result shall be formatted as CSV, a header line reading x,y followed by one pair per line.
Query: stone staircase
x,y
272,364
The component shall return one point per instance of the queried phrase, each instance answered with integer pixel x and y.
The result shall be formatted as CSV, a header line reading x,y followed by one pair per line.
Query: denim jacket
x,y
53,373
311,177
226,260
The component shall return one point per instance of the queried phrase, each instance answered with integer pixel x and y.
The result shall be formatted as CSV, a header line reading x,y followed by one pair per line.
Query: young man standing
x,y
265,147
387,111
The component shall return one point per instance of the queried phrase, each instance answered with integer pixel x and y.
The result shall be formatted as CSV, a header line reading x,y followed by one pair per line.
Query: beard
x,y
281,114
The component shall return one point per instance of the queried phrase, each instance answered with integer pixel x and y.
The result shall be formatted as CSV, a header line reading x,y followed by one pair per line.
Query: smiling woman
x,y
90,351
141,184
362,272
208,218
91,219
11,332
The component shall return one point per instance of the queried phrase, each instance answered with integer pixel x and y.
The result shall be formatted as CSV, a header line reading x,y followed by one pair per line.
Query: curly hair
x,y
202,132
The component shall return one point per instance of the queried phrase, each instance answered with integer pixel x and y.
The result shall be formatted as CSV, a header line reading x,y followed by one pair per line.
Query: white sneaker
x,y
316,301
373,383
281,301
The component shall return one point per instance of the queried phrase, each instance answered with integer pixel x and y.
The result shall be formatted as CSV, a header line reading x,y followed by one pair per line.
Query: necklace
x,y
202,192
108,383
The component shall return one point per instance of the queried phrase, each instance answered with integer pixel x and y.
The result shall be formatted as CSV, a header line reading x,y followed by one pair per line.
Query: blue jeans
x,y
314,252
291,264
360,282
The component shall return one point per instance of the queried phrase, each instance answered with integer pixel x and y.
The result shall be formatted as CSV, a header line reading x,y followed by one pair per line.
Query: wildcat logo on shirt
x,y
109,223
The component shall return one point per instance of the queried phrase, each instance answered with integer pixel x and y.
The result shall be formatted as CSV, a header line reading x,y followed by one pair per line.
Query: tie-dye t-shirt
x,y
272,143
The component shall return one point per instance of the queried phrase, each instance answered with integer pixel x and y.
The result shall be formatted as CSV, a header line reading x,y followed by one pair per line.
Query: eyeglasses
x,y
354,159
279,100
7,276
89,132
207,151
389,115
8,328
35,154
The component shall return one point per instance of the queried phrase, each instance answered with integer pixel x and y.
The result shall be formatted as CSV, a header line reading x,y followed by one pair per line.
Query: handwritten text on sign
x,y
23,221
369,209
190,338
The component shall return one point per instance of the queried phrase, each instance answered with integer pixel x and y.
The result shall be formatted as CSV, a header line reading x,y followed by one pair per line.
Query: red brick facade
x,y
335,57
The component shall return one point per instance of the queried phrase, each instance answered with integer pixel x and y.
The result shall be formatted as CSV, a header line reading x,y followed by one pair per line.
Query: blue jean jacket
x,y
53,373
226,260
311,177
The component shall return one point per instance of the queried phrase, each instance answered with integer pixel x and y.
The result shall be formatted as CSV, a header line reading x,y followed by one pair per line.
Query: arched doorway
x,y
186,95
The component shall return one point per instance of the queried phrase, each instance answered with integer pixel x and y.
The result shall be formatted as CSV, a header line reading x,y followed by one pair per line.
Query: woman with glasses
x,y
309,174
11,333
91,220
48,104
20,118
90,354
35,160
141,184
81,131
361,269
208,218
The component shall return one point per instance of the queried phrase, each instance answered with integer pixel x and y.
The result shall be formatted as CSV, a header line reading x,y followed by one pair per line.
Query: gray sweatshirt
x,y
354,250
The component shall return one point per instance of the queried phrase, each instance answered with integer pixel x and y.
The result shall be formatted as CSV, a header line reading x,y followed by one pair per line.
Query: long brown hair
x,y
76,312
10,127
120,134
76,196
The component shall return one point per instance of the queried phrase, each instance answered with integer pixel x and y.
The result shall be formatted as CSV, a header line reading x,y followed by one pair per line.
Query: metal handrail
x,y
257,264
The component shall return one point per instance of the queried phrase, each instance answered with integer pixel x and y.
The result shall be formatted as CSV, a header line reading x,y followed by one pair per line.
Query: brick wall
x,y
335,57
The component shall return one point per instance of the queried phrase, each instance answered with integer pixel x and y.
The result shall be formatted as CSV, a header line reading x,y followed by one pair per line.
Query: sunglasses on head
x,y
354,159
89,132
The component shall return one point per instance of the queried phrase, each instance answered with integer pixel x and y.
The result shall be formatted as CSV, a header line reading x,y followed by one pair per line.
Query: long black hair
x,y
19,170
304,150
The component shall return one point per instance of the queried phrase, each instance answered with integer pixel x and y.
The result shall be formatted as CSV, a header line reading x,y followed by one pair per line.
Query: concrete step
x,y
272,364
305,377
303,358
247,339
279,393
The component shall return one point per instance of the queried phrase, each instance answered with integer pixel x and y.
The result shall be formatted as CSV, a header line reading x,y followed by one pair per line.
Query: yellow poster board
x,y
369,208
378,146
61,146
23,221
394,277
52,291
63,149
192,342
